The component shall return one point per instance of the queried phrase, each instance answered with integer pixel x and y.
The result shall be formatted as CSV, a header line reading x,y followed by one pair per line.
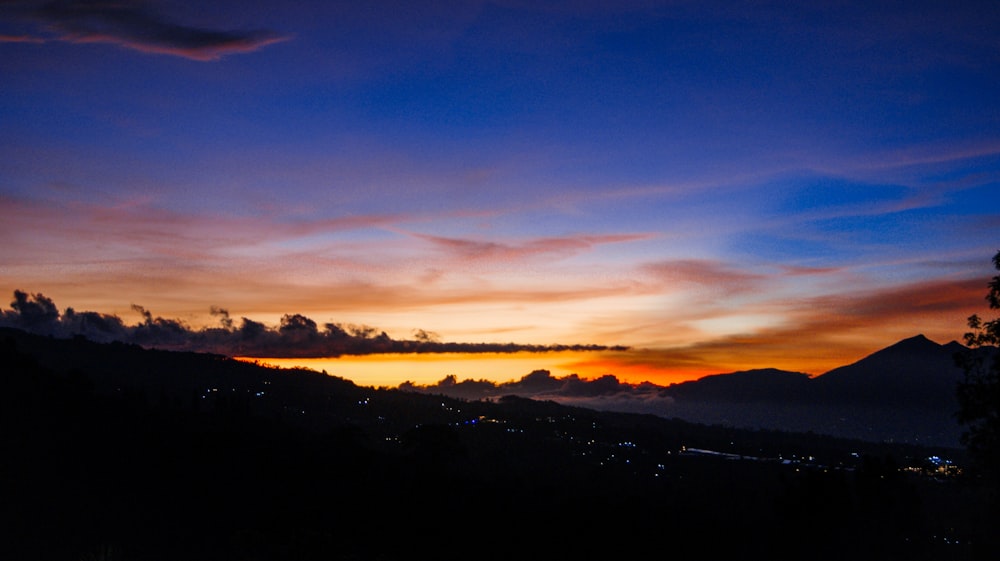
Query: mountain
x,y
914,373
767,384
903,393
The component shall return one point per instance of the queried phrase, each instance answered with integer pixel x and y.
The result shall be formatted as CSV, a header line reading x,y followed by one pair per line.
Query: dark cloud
x,y
422,335
94,326
450,386
574,386
223,315
538,382
604,393
157,331
297,336
132,24
35,311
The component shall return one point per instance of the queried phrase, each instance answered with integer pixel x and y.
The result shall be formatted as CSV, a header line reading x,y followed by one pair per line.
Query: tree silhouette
x,y
979,392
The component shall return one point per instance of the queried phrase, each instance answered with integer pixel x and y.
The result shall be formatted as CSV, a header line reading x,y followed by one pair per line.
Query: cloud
x,y
131,24
7,38
605,392
35,311
296,336
139,227
503,252
89,252
715,275
801,271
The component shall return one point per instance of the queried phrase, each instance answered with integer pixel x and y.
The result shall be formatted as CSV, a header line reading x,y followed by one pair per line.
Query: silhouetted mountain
x,y
902,393
913,373
766,384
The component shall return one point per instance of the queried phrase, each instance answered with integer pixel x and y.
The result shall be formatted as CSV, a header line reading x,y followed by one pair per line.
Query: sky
x,y
715,185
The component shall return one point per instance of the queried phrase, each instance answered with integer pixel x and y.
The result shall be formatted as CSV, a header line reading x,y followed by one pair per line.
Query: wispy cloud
x,y
149,229
134,25
8,38
551,247
722,279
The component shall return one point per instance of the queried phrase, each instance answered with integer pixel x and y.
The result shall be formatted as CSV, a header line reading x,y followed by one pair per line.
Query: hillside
x,y
166,455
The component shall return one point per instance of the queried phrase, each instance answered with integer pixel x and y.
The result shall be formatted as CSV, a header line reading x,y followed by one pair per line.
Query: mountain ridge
x,y
894,368
903,392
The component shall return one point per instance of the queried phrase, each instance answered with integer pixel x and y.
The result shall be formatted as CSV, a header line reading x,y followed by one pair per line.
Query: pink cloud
x,y
205,50
133,26
20,39
551,246
722,279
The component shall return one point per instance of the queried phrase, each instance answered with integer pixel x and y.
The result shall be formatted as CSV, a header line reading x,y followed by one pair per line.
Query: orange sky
x,y
825,334
676,328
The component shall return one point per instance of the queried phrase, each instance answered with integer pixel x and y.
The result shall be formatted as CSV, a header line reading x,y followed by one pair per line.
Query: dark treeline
x,y
296,336
112,451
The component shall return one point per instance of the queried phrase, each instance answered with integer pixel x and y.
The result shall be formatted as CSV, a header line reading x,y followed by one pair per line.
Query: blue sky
x,y
687,178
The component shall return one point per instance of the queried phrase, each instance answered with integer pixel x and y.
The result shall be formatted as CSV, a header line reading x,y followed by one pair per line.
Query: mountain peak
x,y
955,347
919,338
913,372
916,343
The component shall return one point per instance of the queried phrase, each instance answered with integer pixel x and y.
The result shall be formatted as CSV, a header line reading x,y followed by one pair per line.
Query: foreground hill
x,y
112,451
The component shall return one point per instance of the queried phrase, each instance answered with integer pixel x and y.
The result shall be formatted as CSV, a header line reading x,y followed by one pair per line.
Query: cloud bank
x,y
134,25
605,392
296,336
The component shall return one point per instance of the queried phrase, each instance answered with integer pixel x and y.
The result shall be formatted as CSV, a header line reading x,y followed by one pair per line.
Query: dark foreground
x,y
116,452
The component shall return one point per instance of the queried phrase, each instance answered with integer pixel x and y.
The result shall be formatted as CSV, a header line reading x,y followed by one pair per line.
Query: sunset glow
x,y
716,187
425,369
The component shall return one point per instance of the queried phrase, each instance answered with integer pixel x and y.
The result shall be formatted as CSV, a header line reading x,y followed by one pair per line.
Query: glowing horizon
x,y
391,370
629,366
394,369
